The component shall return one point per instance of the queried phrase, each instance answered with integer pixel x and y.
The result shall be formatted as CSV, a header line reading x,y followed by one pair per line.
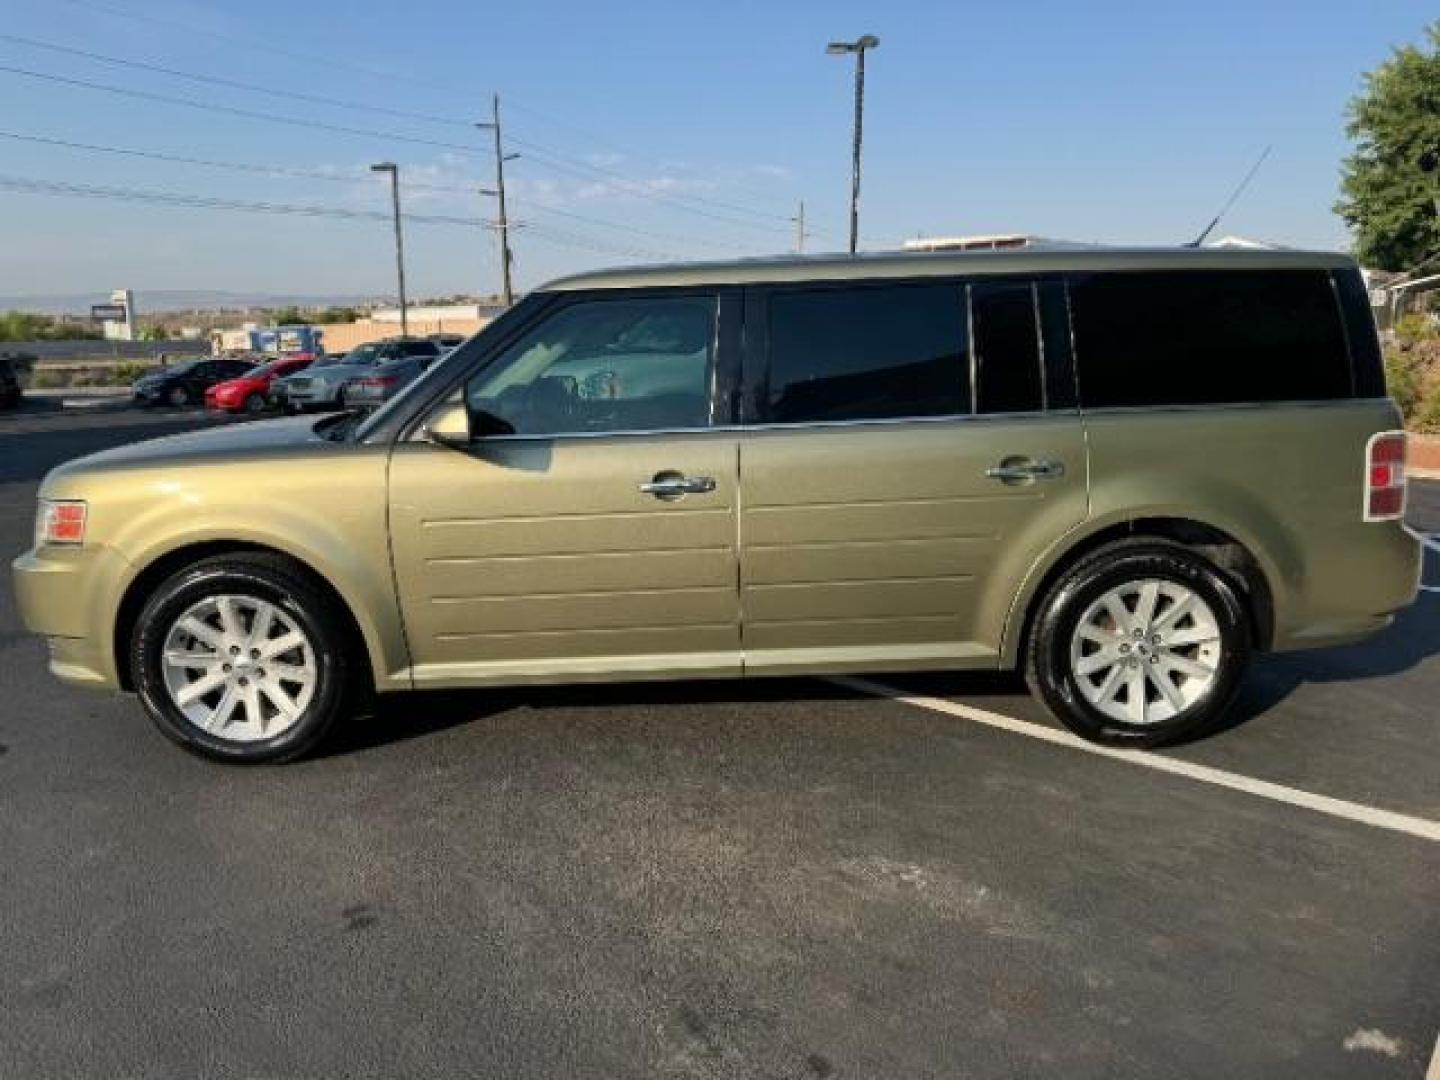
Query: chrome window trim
x,y
1061,416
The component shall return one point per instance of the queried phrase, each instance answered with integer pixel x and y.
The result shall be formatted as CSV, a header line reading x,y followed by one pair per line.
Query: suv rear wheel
x,y
1142,643
241,659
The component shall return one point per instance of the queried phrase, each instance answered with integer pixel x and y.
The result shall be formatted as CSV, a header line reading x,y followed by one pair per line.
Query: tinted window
x,y
1007,346
1360,333
419,348
605,365
867,353
1198,337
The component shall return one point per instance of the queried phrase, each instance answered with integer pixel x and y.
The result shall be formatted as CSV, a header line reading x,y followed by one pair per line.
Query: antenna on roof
x,y
1239,190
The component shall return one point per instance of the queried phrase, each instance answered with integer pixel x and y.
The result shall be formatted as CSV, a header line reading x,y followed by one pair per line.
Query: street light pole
x,y
394,171
858,47
498,191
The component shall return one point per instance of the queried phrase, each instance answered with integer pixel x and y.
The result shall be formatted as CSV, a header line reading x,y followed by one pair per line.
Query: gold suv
x,y
1122,472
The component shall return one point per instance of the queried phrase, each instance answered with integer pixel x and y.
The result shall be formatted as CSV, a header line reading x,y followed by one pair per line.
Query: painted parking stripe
x,y
1264,789
1432,542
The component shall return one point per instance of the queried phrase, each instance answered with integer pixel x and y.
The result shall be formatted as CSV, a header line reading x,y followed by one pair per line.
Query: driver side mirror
x,y
450,426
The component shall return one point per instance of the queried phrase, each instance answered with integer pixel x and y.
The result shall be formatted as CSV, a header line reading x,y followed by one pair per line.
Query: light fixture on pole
x,y
394,171
498,192
858,47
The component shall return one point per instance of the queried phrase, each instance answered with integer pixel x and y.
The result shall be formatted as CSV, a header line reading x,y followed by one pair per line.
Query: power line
x,y
612,174
274,118
270,49
267,46
278,171
234,84
28,185
362,132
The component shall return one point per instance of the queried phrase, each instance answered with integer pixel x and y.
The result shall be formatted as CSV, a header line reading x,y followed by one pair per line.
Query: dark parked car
x,y
185,383
385,380
10,392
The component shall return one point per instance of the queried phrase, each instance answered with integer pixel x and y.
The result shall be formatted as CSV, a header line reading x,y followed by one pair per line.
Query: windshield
x,y
262,371
362,354
182,367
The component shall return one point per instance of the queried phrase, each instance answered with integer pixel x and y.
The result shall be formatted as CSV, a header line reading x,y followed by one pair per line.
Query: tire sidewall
x,y
254,404
184,590
179,397
1056,682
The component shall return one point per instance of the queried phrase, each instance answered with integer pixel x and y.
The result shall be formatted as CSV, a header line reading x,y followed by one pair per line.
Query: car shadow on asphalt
x,y
398,717
1413,638
1410,640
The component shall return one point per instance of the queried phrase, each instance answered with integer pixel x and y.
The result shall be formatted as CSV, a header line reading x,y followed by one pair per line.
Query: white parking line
x,y
1431,541
1324,804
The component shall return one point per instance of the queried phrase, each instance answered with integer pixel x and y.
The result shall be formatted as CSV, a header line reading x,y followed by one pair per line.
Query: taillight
x,y
377,382
1385,476
60,522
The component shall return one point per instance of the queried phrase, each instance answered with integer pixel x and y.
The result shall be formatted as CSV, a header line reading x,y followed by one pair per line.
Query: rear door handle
x,y
1018,470
672,485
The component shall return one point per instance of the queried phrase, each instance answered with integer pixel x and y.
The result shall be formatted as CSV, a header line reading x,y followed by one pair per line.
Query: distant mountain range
x,y
155,301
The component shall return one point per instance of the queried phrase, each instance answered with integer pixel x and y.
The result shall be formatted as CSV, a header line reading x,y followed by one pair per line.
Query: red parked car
x,y
248,393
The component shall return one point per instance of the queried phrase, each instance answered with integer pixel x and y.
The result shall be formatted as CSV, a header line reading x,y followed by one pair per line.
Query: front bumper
x,y
69,596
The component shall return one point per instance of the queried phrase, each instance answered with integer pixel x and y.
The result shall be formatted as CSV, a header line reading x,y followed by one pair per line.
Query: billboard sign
x,y
107,312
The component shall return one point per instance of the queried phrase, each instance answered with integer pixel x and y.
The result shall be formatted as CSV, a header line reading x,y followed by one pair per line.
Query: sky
x,y
653,131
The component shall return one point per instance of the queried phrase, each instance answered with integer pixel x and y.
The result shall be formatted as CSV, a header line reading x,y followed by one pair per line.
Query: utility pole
x,y
858,47
394,171
799,220
498,192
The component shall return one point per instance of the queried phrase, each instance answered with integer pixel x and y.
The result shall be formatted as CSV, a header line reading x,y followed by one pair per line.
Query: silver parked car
x,y
325,385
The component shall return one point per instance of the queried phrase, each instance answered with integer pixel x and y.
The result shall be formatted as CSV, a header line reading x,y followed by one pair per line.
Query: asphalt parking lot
x,y
771,879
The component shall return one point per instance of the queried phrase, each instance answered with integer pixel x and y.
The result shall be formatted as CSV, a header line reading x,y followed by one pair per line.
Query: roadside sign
x,y
107,312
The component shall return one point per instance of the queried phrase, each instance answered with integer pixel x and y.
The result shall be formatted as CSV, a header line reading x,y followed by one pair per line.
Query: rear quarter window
x,y
1208,337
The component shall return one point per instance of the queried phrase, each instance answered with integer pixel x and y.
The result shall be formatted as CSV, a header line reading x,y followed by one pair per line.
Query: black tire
x,y
179,397
276,580
1048,667
255,404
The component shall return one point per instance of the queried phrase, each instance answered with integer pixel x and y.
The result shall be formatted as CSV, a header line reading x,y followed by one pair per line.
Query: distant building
x,y
988,242
463,319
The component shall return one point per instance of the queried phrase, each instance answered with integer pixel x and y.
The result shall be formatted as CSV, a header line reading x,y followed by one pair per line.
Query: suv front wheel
x,y
1142,643
241,659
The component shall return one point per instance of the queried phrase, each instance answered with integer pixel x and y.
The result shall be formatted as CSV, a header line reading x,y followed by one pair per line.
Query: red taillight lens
x,y
1385,476
377,382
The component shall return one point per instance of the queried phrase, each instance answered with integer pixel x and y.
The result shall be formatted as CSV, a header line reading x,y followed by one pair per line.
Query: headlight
x,y
60,521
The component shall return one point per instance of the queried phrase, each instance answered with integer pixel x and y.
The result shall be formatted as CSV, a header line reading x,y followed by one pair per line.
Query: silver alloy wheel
x,y
1145,651
239,667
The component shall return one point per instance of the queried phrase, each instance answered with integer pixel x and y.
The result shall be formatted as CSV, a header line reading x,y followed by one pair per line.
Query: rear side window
x,y
867,353
1208,337
1360,332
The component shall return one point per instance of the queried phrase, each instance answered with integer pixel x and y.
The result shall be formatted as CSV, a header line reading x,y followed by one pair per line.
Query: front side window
x,y
1208,337
604,365
867,353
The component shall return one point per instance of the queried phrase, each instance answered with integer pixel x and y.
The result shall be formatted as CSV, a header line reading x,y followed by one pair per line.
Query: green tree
x,y
1392,180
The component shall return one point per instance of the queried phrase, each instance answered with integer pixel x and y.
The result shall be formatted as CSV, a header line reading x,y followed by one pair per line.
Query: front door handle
x,y
673,485
1020,470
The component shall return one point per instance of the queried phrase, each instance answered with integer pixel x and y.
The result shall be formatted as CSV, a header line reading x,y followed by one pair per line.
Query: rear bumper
x,y
1359,577
66,596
